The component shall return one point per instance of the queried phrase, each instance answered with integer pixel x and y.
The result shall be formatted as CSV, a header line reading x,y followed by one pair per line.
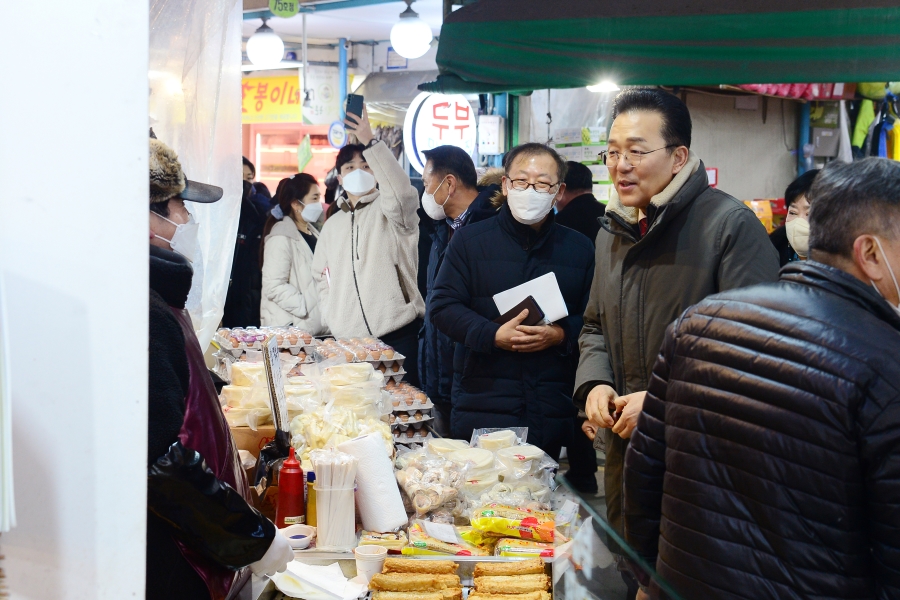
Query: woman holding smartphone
x,y
366,259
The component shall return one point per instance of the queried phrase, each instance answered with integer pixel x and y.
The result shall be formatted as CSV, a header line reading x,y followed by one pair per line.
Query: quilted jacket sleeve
x,y
450,304
645,464
276,275
399,200
879,447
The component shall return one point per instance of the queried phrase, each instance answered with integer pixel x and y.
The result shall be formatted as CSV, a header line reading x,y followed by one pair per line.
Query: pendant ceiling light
x,y
265,48
411,36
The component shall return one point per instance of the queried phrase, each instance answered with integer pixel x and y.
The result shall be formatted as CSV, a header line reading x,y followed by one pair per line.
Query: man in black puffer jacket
x,y
513,375
766,461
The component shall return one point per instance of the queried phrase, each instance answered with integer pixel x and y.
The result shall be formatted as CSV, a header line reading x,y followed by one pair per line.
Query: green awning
x,y
519,45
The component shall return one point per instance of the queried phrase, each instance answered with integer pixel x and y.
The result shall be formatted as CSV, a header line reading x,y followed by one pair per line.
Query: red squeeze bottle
x,y
290,509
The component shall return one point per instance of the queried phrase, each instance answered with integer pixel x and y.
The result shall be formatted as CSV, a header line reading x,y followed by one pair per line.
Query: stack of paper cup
x,y
369,560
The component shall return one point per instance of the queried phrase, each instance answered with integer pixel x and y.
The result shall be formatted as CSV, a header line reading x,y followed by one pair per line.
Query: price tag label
x,y
284,8
272,360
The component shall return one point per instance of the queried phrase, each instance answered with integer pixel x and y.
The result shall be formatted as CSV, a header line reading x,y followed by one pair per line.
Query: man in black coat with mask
x,y
766,461
513,375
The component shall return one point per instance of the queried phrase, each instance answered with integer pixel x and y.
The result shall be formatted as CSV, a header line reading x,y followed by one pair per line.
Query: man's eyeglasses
x,y
522,185
632,157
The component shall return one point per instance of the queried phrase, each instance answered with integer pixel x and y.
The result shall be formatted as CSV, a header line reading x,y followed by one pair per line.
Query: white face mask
x,y
893,277
185,239
798,236
430,205
312,212
529,206
358,182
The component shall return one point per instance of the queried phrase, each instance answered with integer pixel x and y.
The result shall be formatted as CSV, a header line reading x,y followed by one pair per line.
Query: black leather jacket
x,y
766,462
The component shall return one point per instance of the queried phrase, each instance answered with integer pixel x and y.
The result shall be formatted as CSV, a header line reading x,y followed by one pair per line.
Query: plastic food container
x,y
298,536
445,447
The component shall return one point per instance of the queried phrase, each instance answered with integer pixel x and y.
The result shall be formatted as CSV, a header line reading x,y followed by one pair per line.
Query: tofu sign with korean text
x,y
436,120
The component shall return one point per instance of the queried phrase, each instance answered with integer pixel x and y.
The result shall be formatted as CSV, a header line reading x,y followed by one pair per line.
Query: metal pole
x,y
342,74
804,138
305,58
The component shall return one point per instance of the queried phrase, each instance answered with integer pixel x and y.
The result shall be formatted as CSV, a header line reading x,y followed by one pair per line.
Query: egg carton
x,y
401,426
428,405
416,439
395,362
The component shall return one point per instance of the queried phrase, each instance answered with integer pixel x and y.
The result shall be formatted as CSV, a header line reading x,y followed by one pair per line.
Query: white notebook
x,y
545,291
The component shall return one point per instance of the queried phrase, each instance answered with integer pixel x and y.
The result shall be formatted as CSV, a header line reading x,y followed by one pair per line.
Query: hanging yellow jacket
x,y
863,121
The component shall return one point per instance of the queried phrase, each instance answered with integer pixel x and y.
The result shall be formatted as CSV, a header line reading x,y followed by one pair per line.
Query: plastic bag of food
x,y
420,543
509,521
526,548
494,439
431,483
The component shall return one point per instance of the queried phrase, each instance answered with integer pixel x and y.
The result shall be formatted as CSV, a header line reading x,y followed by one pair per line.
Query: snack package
x,y
509,521
520,547
422,544
391,540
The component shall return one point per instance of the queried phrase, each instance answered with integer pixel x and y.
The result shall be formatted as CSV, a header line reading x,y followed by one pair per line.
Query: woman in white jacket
x,y
289,294
366,261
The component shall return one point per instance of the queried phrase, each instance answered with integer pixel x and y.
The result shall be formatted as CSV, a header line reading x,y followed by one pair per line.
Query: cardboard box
x,y
252,441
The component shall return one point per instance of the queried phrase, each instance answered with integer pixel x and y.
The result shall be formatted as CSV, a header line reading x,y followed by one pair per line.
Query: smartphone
x,y
354,105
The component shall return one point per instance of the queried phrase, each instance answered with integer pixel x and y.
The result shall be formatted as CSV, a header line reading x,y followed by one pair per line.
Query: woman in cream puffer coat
x,y
289,294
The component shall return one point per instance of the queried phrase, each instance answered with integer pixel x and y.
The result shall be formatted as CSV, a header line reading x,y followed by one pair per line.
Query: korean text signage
x,y
271,100
436,120
284,8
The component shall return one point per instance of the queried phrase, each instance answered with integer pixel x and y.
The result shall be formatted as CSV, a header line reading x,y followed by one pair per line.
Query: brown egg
x,y
396,403
390,384
410,433
404,418
420,397
292,338
361,354
388,353
409,401
418,415
348,356
376,354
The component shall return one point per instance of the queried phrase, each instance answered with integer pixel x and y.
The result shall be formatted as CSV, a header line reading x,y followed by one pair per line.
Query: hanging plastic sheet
x,y
195,107
570,108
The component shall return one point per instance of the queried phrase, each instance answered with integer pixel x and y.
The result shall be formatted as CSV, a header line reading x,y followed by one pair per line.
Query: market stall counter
x,y
392,511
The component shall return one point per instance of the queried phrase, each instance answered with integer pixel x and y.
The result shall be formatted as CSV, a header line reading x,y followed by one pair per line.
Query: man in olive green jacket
x,y
668,241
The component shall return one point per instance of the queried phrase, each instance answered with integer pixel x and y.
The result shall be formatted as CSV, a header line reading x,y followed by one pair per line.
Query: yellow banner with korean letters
x,y
271,99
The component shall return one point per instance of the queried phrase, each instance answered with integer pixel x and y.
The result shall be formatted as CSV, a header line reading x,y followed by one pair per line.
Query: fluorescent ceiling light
x,y
603,86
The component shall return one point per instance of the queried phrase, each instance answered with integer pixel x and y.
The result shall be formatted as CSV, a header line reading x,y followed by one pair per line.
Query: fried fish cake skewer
x,y
515,584
407,596
412,582
445,594
408,565
523,567
526,596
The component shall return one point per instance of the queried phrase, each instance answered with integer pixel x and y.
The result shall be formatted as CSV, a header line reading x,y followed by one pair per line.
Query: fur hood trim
x,y
166,174
631,214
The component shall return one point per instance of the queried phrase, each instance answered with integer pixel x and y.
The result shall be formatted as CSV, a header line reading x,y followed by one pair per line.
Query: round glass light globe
x,y
411,37
265,48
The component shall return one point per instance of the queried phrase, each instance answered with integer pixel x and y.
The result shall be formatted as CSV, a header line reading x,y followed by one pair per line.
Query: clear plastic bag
x,y
494,438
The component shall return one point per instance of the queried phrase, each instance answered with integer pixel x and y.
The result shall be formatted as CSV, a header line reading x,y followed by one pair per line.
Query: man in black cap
x,y
200,529
578,209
